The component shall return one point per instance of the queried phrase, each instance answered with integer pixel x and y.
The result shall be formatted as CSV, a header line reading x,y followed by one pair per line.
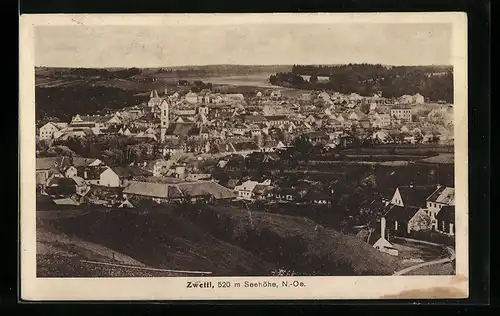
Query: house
x,y
258,94
254,119
157,167
239,129
75,132
245,191
441,197
187,111
238,147
316,137
60,187
146,136
407,211
446,220
418,98
382,244
95,122
384,120
174,97
324,96
110,177
406,99
128,131
154,100
157,191
43,169
401,114
276,120
382,136
47,131
335,124
203,190
81,186
70,172
191,97
148,120
102,176
354,116
234,97
415,196
402,220
198,176
79,162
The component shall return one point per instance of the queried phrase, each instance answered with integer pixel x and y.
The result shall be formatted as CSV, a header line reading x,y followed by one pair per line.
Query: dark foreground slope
x,y
227,241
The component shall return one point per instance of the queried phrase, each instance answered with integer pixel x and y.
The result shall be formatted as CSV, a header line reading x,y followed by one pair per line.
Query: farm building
x,y
446,220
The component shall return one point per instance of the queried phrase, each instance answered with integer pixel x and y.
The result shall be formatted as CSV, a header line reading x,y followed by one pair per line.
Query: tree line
x,y
433,82
96,72
65,102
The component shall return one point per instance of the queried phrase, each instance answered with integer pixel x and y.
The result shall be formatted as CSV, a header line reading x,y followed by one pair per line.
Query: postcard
x,y
243,156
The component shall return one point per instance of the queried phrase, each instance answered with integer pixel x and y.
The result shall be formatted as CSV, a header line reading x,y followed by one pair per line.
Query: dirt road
x,y
451,257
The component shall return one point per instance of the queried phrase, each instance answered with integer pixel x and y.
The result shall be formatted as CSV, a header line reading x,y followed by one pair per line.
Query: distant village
x,y
209,125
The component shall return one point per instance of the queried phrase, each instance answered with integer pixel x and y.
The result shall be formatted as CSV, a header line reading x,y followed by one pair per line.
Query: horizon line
x,y
248,65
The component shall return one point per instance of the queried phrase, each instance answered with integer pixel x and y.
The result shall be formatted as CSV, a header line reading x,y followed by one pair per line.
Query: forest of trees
x,y
93,72
65,102
433,82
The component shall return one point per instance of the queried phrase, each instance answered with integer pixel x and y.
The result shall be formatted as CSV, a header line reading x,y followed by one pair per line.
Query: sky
x,y
253,44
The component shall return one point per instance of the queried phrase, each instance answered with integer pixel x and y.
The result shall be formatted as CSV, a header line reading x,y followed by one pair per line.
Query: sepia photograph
x,y
267,148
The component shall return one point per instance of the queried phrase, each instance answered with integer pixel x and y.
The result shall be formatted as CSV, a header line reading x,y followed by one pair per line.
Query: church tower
x,y
164,118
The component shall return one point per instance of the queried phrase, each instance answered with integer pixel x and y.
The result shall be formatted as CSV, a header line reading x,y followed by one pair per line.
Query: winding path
x,y
429,263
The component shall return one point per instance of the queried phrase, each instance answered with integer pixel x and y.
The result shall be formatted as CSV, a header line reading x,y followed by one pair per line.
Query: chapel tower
x,y
164,118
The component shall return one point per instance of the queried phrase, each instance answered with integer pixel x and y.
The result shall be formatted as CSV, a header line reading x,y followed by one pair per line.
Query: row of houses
x,y
417,209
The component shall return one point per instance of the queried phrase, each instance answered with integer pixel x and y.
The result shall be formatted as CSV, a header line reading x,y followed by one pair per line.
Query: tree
x,y
313,79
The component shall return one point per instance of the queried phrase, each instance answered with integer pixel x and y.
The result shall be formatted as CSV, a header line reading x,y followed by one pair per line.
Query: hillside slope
x,y
228,241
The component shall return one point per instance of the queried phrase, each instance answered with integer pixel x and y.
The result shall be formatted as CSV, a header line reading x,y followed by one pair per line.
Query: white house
x,y
47,131
109,178
443,196
245,190
70,172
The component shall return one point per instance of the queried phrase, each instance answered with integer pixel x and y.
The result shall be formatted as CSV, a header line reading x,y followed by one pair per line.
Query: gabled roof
x,y
447,214
181,129
93,173
254,118
231,183
416,196
242,146
205,188
276,117
149,189
45,163
316,134
444,195
82,162
400,214
149,117
79,181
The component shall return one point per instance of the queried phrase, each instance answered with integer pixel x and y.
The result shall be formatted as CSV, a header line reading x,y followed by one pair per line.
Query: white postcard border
x,y
174,288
